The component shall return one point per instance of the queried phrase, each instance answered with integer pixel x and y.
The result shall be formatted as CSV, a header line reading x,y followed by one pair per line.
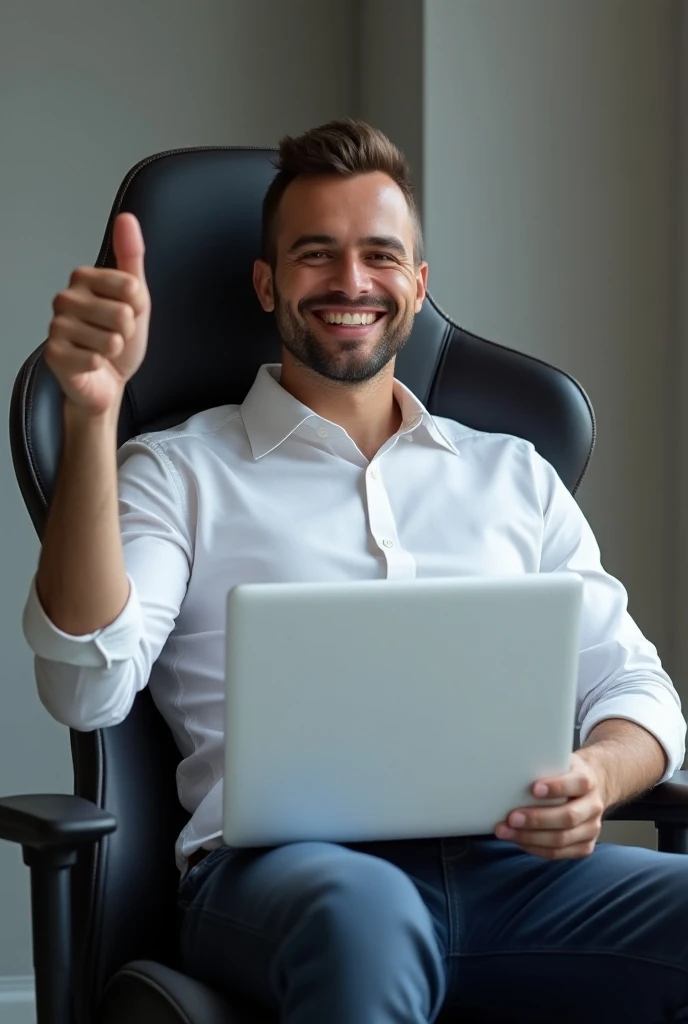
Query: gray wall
x,y
550,209
390,91
551,198
680,434
86,90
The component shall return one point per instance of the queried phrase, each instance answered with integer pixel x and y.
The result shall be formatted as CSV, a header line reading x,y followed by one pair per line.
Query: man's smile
x,y
346,322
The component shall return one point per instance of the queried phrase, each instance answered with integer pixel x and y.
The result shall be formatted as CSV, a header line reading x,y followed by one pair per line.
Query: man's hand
x,y
568,830
98,335
618,761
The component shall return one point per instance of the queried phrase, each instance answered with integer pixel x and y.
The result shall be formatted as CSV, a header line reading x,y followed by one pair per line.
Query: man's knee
x,y
363,930
360,902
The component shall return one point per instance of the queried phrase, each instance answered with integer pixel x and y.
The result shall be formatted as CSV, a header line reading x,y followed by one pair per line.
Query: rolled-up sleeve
x,y
620,672
90,682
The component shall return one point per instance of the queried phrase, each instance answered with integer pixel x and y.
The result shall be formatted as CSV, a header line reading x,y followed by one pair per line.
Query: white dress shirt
x,y
270,491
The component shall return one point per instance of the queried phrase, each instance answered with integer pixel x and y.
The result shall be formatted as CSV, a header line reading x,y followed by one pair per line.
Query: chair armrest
x,y
50,827
666,804
47,820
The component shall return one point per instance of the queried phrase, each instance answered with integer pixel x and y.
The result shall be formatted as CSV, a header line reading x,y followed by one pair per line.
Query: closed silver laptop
x,y
395,709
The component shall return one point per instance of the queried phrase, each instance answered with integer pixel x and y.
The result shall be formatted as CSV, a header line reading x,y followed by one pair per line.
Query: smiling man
x,y
344,298
332,470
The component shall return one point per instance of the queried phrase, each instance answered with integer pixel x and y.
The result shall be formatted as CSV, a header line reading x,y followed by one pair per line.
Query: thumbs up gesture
x,y
99,332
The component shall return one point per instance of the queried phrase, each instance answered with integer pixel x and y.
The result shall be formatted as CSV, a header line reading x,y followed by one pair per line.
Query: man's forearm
x,y
81,580
629,758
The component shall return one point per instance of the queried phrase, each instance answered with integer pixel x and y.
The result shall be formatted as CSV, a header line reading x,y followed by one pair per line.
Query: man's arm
x,y
628,712
97,340
93,634
81,581
626,757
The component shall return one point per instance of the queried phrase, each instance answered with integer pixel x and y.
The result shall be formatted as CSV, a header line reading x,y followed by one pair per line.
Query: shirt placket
x,y
400,563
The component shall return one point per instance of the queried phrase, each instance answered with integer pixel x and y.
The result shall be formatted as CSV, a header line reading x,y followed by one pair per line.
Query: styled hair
x,y
348,147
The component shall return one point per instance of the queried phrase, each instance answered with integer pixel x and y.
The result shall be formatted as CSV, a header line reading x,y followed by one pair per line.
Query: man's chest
x,y
358,525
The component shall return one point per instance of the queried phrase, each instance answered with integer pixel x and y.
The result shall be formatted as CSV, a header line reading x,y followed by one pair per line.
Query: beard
x,y
304,346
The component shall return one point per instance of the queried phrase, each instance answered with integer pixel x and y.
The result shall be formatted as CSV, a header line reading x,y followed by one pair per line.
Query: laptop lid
x,y
382,709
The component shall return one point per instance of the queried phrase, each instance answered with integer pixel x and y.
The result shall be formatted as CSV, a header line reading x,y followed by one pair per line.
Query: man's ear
x,y
421,284
262,282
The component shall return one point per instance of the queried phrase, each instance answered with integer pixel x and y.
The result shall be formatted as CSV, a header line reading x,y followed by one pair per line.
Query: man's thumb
x,y
127,243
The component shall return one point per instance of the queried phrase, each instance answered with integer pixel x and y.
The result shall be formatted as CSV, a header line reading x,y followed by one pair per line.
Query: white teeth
x,y
352,319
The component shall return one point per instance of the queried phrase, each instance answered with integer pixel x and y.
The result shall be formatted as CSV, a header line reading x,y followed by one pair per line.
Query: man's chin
x,y
352,367
344,367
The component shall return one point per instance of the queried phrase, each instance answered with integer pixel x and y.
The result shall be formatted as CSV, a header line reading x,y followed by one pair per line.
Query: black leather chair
x,y
102,867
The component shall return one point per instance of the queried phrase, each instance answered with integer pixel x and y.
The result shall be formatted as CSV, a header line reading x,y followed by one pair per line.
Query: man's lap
x,y
497,912
250,904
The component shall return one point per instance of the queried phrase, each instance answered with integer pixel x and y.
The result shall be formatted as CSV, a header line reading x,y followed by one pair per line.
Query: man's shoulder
x,y
220,421
478,442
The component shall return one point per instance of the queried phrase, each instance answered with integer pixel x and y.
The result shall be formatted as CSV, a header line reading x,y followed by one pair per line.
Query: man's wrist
x,y
77,417
602,756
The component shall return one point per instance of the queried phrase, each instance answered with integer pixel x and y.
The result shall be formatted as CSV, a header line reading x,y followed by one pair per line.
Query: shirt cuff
x,y
661,718
116,642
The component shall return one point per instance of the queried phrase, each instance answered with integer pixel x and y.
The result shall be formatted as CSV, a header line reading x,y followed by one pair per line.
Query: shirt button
x,y
374,473
387,543
322,432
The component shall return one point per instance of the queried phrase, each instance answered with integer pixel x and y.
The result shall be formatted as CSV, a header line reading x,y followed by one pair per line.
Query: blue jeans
x,y
375,933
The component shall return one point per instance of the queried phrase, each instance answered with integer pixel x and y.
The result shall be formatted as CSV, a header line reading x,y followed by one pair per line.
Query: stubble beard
x,y
303,344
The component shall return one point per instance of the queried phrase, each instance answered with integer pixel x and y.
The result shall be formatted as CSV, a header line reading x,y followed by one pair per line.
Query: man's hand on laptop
x,y
567,830
618,761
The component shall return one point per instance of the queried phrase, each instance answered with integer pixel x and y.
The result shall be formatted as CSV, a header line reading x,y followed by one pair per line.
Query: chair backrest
x,y
200,213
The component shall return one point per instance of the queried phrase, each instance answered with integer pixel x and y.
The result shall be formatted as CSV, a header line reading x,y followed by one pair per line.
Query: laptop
x,y
380,709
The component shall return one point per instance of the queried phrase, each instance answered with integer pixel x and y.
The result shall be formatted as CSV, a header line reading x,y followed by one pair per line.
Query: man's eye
x,y
380,256
314,255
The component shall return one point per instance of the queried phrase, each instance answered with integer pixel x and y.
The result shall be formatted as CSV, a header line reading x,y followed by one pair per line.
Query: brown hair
x,y
347,147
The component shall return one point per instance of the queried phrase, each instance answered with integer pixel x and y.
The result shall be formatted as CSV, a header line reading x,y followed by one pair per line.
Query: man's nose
x,y
350,275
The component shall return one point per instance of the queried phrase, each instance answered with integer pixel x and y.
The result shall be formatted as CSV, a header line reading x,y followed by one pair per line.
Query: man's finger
x,y
553,838
572,784
127,243
564,816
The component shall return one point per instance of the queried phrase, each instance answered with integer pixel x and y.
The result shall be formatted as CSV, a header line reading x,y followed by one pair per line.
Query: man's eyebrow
x,y
379,241
312,240
385,242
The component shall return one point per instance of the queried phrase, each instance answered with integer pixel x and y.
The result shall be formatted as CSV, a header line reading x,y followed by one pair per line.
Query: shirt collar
x,y
270,414
415,416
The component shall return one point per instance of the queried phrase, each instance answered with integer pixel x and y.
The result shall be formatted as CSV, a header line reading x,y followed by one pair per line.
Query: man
x,y
331,469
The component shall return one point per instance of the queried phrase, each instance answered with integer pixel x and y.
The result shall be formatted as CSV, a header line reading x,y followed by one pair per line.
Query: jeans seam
x,y
548,951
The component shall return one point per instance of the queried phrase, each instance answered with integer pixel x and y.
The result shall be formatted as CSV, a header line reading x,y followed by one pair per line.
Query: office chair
x,y
103,877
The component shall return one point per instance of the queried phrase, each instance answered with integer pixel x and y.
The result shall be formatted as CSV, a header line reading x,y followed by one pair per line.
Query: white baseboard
x,y
17,1004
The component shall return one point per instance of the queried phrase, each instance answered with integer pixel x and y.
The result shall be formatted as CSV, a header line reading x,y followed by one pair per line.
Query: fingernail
x,y
540,789
517,819
504,833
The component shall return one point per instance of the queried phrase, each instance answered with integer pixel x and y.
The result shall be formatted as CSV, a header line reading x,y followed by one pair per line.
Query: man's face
x,y
345,288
